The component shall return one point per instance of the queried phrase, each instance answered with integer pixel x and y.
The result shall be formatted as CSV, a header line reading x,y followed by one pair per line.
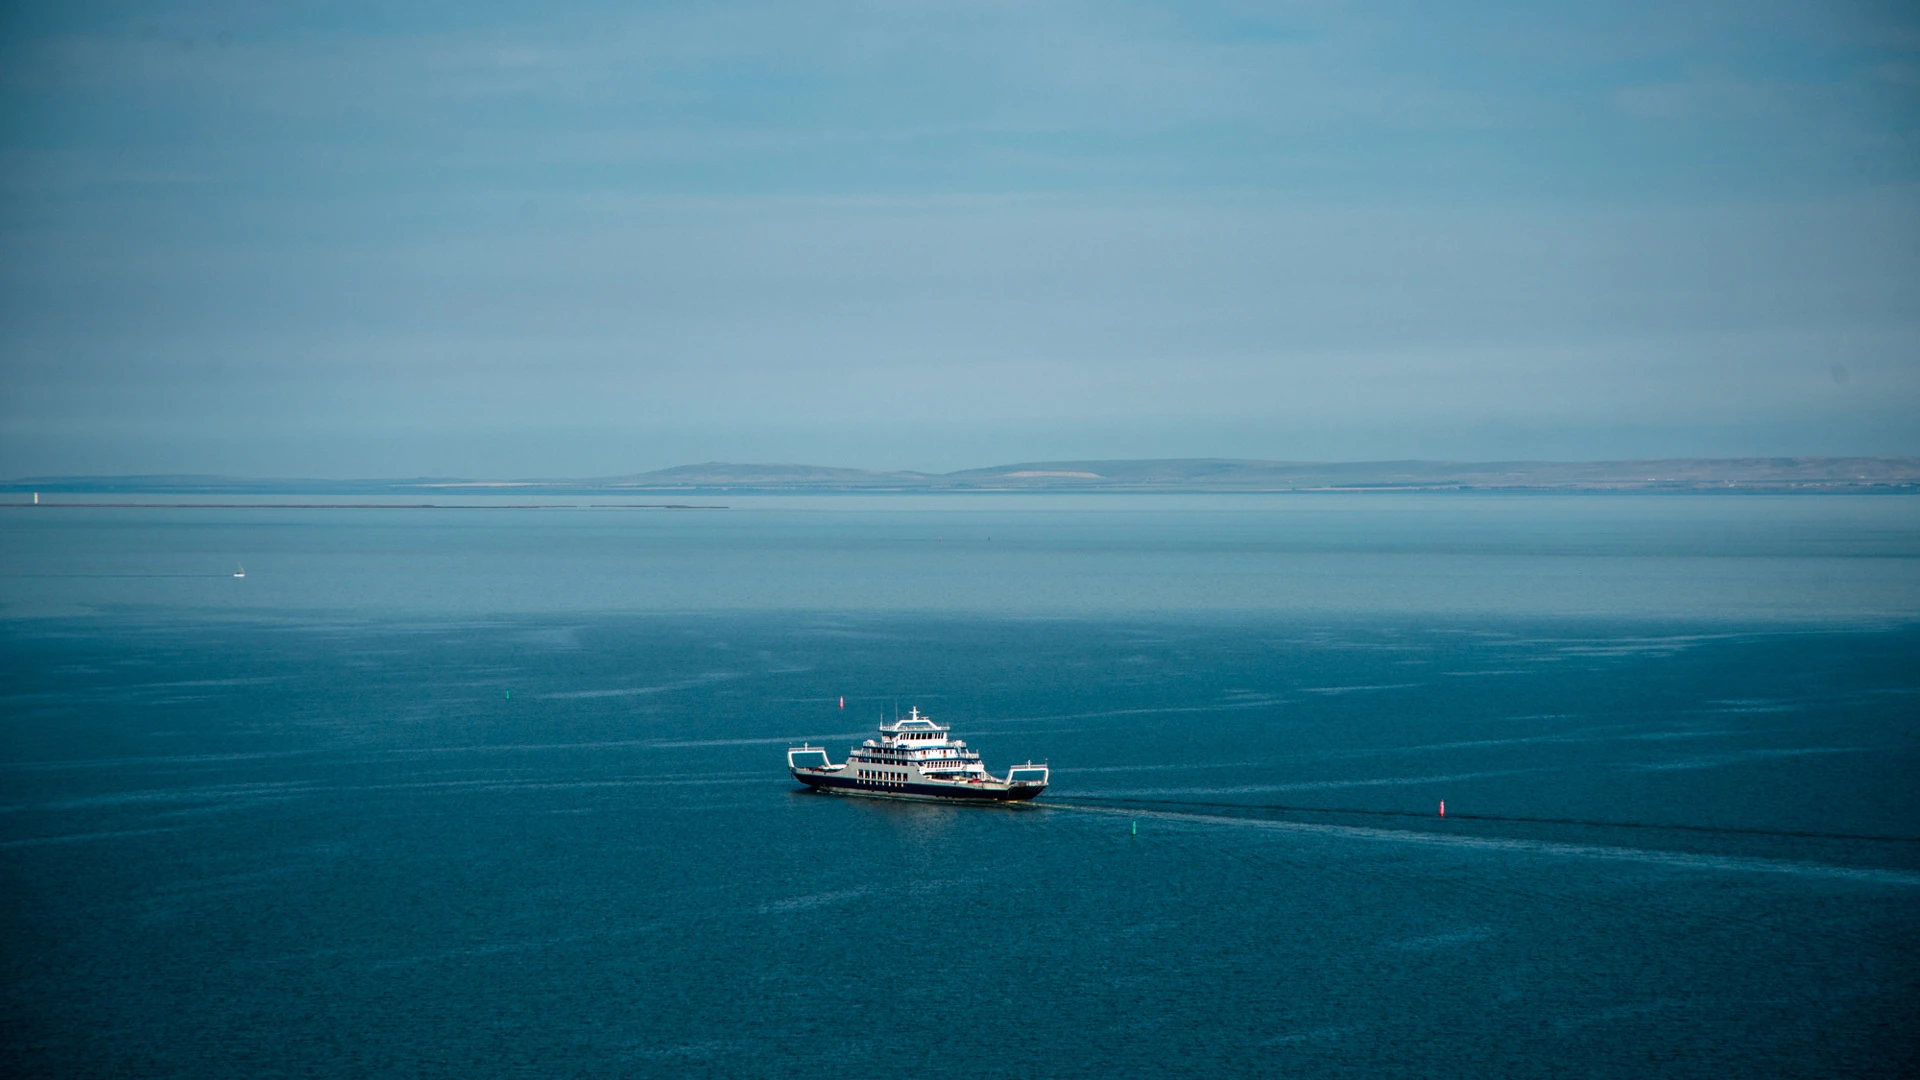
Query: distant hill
x,y
1217,474
1797,474
1233,474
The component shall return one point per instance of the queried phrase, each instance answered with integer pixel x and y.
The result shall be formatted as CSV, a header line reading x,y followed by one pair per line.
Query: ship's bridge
x,y
915,730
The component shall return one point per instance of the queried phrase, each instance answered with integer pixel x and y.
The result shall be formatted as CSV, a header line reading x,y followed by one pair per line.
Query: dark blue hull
x,y
955,792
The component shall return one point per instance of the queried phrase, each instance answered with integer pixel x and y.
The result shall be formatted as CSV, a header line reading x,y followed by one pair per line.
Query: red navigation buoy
x,y
843,703
1443,808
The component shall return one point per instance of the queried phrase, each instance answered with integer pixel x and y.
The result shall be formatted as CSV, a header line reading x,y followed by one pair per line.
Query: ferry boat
x,y
914,759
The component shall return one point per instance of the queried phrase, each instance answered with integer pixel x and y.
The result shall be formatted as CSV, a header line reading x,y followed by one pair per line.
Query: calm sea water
x,y
501,792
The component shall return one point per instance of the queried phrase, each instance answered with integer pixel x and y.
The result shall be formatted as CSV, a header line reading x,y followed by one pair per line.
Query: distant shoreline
x,y
1170,476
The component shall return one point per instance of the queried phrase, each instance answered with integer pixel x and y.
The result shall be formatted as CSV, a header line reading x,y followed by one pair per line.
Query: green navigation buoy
x,y
1136,829
509,695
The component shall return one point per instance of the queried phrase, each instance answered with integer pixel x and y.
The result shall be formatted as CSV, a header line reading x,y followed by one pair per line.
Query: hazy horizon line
x,y
803,467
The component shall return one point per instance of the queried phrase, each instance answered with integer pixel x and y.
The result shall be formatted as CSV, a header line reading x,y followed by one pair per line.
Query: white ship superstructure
x,y
914,758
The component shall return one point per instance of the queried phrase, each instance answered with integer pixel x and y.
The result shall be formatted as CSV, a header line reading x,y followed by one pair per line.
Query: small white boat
x,y
242,572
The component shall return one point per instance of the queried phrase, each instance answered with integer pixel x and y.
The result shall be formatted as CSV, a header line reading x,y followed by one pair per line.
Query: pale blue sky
x,y
555,239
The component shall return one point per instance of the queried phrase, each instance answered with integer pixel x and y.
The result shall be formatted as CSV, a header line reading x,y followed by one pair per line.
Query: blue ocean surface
x,y
497,792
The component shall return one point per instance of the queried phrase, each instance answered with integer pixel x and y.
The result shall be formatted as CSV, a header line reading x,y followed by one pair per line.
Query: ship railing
x,y
808,756
1027,774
